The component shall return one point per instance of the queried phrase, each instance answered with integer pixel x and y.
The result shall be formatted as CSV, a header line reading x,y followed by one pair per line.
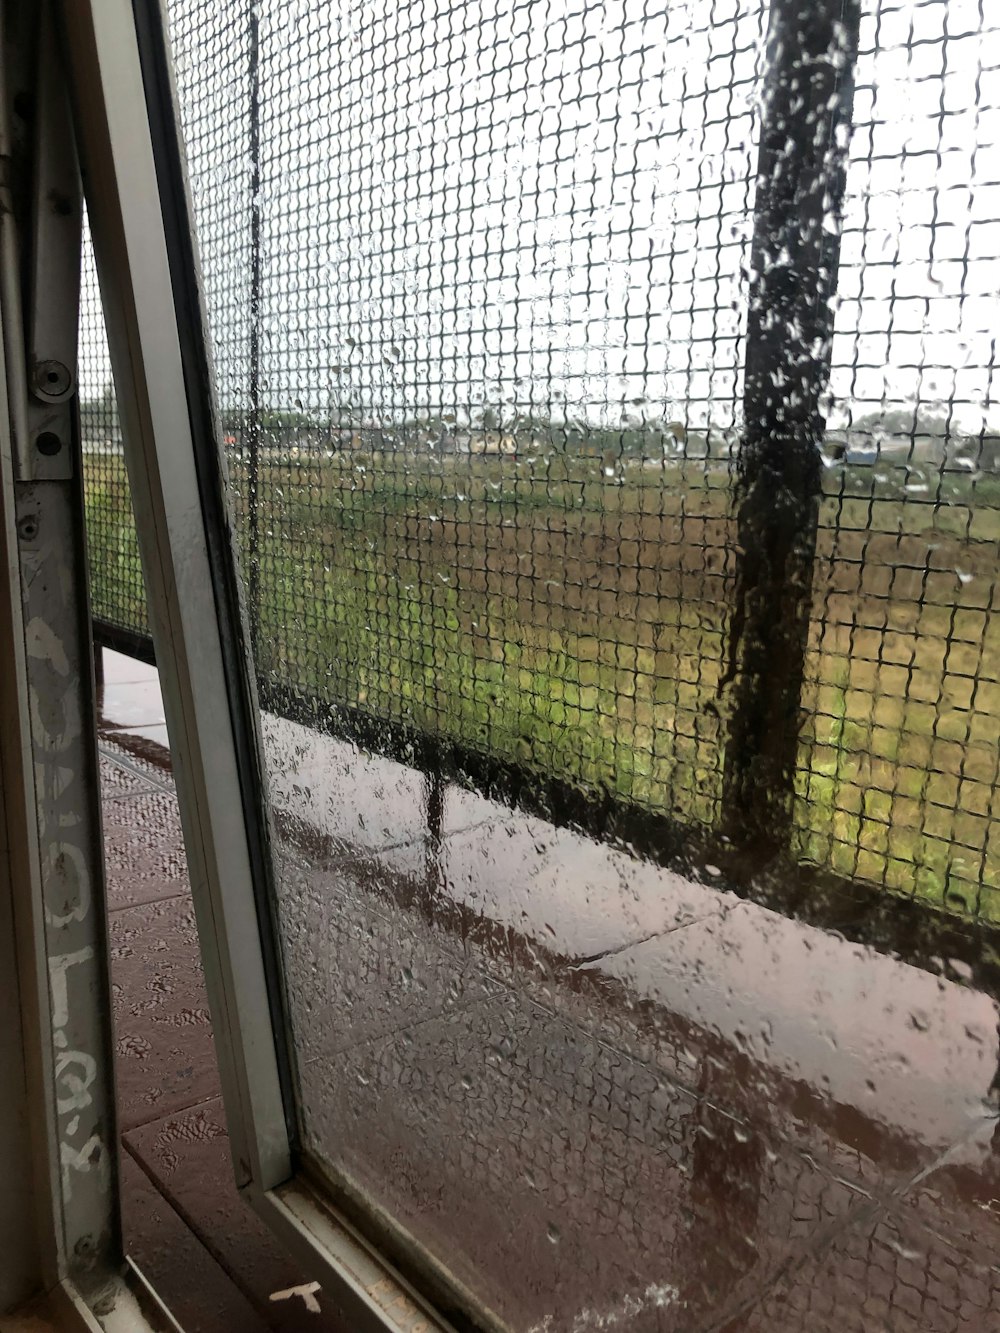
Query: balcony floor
x,y
218,1269
775,1189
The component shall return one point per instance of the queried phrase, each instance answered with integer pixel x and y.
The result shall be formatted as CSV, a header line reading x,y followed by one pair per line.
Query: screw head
x,y
51,379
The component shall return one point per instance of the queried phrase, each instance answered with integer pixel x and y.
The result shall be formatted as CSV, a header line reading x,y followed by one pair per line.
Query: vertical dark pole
x,y
435,829
253,433
726,1185
806,114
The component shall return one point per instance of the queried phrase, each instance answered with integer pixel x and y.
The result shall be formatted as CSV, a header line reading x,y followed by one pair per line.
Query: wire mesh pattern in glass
x,y
479,285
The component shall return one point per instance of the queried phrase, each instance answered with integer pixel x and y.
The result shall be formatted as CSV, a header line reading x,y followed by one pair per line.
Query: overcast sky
x,y
546,205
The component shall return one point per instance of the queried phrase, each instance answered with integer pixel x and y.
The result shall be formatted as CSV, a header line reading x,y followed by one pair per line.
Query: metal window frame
x,y
126,123
66,1267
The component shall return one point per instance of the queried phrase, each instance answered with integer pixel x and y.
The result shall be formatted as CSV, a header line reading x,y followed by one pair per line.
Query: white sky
x,y
539,203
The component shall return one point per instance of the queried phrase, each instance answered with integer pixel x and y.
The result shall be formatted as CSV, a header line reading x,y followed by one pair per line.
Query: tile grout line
x,y
872,1208
166,1115
148,902
192,1228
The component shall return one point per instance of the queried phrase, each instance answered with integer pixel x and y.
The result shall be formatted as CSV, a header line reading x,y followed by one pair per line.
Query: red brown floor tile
x,y
187,1154
165,1057
210,1259
143,848
203,1298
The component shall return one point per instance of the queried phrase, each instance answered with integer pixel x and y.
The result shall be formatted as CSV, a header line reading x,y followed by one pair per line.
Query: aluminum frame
x,y
126,121
66,1266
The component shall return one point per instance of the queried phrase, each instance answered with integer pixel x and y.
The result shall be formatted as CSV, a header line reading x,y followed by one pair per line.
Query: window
x,y
607,398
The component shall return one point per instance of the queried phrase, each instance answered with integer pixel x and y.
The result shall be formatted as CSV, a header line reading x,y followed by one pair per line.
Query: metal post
x,y
59,657
808,94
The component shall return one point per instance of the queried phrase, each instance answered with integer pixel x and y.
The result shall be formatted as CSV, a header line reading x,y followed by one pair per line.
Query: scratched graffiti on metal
x,y
69,841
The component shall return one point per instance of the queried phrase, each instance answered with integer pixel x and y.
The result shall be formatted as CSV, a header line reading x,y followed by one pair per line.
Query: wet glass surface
x,y
657,1105
608,392
790,1124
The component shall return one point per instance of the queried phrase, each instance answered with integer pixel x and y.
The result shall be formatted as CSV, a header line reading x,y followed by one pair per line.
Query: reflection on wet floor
x,y
658,1105
605,1096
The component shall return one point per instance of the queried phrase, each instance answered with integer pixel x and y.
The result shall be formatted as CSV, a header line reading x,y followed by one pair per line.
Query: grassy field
x,y
572,614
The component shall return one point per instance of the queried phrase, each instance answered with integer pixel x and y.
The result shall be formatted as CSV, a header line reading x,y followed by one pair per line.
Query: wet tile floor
x,y
692,1116
218,1269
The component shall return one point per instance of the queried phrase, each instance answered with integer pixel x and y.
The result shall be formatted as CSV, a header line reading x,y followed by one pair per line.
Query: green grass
x,y
573,617
116,588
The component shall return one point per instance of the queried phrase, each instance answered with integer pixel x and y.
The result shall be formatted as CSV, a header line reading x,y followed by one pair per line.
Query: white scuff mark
x,y
75,1073
55,741
657,1296
92,1156
55,781
69,859
58,967
307,1291
44,645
